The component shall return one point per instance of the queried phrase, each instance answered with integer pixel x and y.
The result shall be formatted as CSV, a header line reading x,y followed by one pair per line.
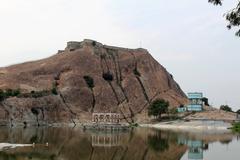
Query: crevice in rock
x,y
90,83
93,101
56,79
138,75
131,114
143,88
115,68
108,80
117,65
124,117
114,92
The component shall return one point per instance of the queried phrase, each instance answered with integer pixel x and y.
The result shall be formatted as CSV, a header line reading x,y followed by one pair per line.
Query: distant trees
x,y
226,108
205,101
238,111
158,107
233,16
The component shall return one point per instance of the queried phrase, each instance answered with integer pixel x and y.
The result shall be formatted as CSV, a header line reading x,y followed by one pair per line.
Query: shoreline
x,y
176,125
191,126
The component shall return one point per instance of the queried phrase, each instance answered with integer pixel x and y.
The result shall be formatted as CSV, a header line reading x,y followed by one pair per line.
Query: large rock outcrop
x,y
84,78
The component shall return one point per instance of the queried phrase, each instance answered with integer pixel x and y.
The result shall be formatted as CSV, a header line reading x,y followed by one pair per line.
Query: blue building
x,y
196,103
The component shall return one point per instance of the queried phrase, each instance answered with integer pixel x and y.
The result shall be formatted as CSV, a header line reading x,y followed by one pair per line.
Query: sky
x,y
188,37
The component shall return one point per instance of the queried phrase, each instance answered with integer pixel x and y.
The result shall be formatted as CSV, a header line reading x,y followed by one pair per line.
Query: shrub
x,y
136,72
89,81
9,93
226,108
107,76
54,89
16,92
35,111
103,56
94,43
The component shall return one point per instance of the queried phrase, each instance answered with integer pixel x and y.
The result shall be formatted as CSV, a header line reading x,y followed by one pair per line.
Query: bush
x,y
35,111
136,72
89,81
94,43
226,108
107,76
2,95
54,89
9,93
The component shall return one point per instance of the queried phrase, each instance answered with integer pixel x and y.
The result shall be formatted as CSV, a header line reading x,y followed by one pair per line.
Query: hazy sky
x,y
188,37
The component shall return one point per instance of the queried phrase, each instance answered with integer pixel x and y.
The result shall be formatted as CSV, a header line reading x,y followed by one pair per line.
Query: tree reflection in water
x,y
157,142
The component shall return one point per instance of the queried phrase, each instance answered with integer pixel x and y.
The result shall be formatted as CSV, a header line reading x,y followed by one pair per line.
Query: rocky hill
x,y
84,78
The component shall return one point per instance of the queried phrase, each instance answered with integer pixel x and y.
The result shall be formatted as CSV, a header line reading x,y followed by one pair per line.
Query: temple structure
x,y
106,118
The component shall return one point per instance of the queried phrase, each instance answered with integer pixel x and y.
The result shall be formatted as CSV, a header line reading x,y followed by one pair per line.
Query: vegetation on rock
x,y
136,72
4,94
226,108
89,81
54,89
108,76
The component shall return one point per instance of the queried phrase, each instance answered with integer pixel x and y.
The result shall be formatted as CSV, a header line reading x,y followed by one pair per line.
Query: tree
x,y
226,108
238,111
233,16
108,76
205,101
158,107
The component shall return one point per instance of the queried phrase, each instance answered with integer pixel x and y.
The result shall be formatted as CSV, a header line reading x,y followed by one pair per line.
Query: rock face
x,y
84,78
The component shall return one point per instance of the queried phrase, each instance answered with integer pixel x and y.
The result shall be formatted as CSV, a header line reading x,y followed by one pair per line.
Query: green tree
x,y
158,107
238,111
205,101
226,108
233,16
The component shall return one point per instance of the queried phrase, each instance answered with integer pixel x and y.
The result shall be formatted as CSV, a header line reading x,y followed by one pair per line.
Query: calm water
x,y
137,144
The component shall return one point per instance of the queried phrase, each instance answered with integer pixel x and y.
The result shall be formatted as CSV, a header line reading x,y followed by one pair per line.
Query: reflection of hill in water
x,y
74,144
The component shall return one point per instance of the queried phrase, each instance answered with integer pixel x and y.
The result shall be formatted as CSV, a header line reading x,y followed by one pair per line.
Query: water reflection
x,y
137,144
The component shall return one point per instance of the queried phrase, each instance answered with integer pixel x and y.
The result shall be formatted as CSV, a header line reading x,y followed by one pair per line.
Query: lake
x,y
137,144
